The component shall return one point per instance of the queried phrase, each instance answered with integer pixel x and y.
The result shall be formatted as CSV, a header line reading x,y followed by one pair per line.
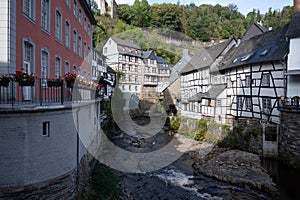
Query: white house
x,y
203,94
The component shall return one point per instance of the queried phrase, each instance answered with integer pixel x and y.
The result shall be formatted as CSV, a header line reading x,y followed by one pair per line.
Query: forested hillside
x,y
203,23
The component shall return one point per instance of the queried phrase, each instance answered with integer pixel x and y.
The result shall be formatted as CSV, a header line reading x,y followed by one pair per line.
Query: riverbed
x,y
180,180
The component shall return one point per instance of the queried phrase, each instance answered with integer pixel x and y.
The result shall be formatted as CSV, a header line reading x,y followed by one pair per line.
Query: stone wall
x,y
289,139
51,166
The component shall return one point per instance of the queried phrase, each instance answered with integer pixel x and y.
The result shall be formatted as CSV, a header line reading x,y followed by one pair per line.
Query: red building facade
x,y
54,37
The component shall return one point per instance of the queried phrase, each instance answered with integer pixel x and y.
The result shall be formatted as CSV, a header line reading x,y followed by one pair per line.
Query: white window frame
x,y
266,105
67,66
265,80
45,66
31,61
68,3
74,41
248,81
79,46
84,50
45,15
75,9
57,63
80,16
29,9
248,103
58,25
239,102
67,33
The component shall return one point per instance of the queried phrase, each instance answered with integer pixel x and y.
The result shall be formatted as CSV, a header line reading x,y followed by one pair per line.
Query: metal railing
x,y
291,104
43,92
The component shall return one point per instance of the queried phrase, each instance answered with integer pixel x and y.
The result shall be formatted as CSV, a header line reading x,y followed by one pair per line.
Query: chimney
x,y
296,5
186,52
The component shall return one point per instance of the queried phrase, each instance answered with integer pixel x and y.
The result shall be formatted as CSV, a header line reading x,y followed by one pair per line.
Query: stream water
x,y
178,181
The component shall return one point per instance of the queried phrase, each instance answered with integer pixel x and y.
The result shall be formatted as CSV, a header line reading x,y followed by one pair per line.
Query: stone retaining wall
x,y
289,139
52,166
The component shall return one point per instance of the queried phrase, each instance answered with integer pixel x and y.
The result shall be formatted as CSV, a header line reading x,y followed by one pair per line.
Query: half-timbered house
x,y
202,86
255,76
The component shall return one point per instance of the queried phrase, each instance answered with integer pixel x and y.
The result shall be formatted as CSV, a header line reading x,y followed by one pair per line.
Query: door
x,y
27,89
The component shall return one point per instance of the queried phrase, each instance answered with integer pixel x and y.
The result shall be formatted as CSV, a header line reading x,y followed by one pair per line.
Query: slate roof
x,y
269,46
253,30
162,63
146,54
175,70
124,43
212,93
205,57
294,28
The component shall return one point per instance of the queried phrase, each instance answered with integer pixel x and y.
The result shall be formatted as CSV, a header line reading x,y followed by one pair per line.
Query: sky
x,y
244,6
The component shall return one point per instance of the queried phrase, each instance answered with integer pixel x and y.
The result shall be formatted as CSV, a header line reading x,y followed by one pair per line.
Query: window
x,y
80,16
74,41
84,50
58,28
85,24
266,105
219,102
44,67
89,29
68,3
75,8
46,128
123,57
123,67
29,8
105,49
248,81
89,54
67,67
239,103
28,57
248,103
57,66
79,46
271,134
266,80
67,34
45,15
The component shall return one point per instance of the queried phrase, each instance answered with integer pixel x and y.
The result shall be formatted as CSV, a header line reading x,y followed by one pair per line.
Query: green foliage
x,y
201,131
104,184
175,122
204,22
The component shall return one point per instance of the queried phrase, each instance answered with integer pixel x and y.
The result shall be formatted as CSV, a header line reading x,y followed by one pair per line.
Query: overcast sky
x,y
244,6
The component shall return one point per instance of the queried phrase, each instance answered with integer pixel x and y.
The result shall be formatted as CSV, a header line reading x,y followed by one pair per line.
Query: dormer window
x,y
264,52
246,57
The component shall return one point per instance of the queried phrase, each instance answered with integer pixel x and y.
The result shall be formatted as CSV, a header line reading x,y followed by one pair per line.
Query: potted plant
x,y
24,79
70,79
55,82
4,80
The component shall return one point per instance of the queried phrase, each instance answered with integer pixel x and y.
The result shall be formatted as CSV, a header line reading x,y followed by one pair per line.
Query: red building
x,y
47,37
54,37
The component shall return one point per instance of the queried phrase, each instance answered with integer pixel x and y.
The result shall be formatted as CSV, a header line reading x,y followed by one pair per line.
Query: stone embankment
x,y
236,167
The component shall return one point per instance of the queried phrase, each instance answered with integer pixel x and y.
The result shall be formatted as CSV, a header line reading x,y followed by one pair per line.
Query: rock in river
x,y
238,167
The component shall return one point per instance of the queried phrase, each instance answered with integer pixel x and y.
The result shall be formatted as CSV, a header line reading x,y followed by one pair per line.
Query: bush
x,y
175,122
104,184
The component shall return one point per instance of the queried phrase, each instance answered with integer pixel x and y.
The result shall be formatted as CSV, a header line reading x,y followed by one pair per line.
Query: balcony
x,y
41,92
289,104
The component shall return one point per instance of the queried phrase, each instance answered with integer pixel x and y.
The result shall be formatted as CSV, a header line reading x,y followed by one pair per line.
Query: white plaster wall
x,y
293,57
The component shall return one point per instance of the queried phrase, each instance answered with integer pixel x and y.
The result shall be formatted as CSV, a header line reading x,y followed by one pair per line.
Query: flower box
x,y
4,82
26,83
54,83
70,84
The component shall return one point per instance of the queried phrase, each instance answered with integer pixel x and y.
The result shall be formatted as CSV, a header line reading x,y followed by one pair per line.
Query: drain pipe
x,y
77,148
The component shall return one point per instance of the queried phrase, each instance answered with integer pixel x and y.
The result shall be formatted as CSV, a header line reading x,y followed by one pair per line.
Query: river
x,y
179,180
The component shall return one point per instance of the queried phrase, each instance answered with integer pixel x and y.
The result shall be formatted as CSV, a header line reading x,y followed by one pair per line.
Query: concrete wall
x,y
34,165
